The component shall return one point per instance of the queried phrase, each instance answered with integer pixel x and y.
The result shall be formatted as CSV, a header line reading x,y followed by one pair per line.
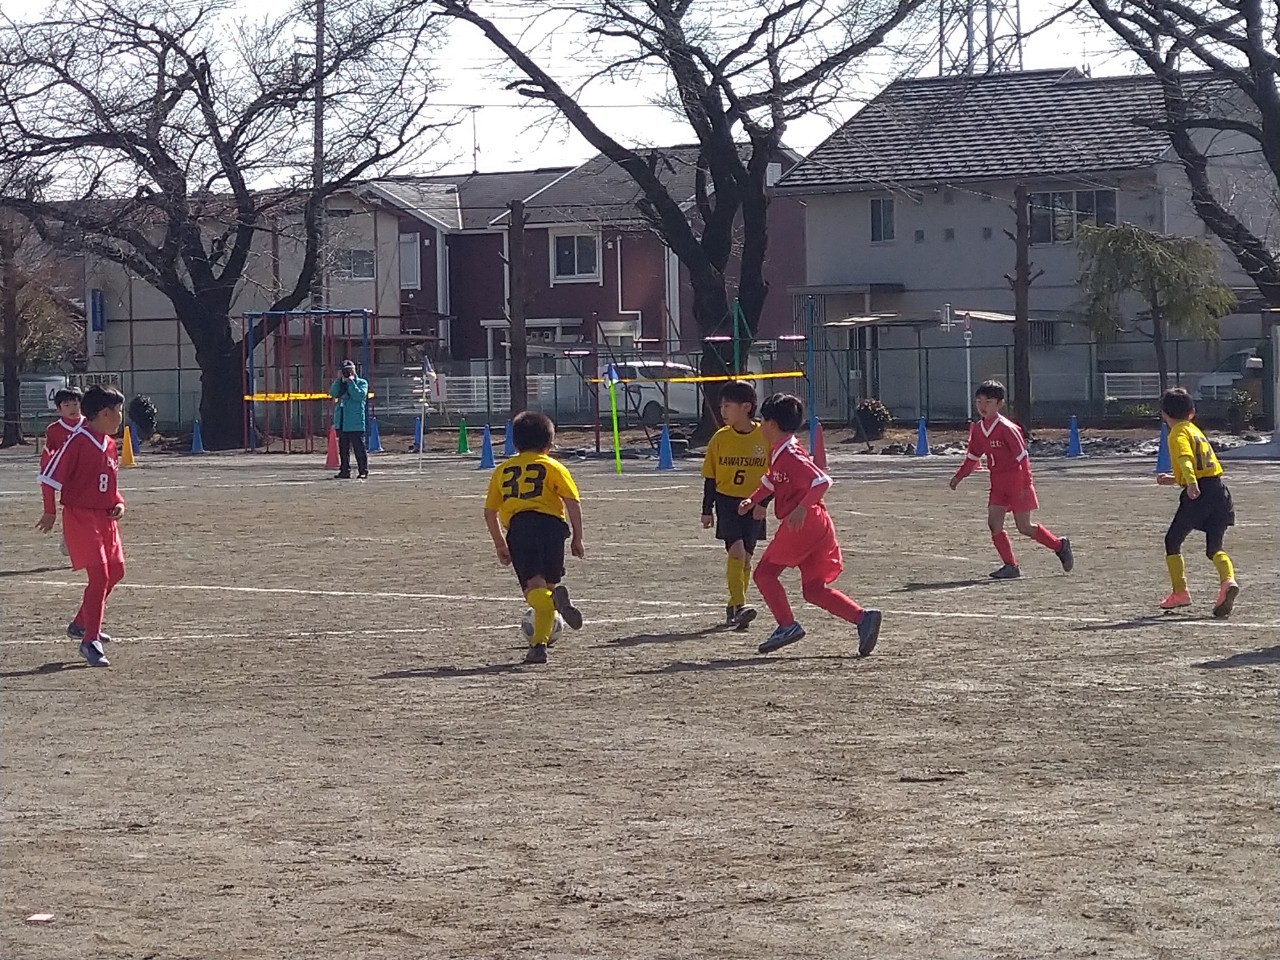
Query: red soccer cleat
x,y
1179,598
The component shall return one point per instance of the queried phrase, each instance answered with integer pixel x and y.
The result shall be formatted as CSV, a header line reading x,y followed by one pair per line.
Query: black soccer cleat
x,y
564,606
744,617
1066,556
869,631
537,654
1009,571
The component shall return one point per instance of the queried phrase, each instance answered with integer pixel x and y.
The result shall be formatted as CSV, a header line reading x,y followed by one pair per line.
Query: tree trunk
x,y
517,335
222,403
9,316
1021,312
1158,333
710,312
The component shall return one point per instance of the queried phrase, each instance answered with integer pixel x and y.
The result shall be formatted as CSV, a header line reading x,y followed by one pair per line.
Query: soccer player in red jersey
x,y
1000,440
806,539
67,400
84,468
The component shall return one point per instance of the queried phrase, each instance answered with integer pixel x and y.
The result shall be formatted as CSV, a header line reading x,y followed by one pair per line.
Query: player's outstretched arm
x,y
495,534
574,510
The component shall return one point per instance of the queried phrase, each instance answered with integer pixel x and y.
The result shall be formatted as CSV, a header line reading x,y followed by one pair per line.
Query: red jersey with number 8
x,y
84,469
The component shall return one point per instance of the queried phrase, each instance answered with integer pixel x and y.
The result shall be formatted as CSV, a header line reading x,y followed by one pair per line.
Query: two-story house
x,y
909,208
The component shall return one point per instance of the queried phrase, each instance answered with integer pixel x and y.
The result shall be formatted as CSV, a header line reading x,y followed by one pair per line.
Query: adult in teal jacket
x,y
350,394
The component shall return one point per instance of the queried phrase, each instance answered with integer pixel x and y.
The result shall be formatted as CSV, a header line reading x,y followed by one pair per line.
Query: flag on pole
x,y
612,379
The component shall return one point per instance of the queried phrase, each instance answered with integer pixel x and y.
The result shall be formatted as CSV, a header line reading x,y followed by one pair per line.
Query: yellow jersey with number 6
x,y
1192,456
736,461
530,481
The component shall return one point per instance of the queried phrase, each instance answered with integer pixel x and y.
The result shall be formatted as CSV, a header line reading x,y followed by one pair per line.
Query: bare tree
x,y
738,71
164,139
1215,60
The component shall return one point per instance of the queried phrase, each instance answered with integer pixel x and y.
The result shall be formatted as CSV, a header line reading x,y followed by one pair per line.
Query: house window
x,y
986,233
575,257
919,236
410,262
1044,334
1055,216
354,265
772,174
882,220
949,233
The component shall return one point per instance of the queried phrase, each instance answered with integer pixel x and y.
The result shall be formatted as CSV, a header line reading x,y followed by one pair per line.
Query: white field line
x,y
1156,620
265,637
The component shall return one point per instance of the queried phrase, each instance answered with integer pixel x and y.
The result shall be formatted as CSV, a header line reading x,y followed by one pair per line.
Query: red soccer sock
x,y
771,591
1004,547
833,601
94,604
1043,537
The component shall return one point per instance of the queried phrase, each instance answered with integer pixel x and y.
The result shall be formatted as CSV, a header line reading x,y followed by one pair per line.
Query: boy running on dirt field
x,y
734,463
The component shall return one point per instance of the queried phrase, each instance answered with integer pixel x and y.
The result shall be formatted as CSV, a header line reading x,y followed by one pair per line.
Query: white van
x,y
683,400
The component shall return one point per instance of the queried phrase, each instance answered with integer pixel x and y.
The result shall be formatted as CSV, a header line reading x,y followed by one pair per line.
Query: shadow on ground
x,y
1252,658
640,639
44,668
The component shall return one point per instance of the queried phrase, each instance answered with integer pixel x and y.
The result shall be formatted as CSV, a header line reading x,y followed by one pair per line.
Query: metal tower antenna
x,y
980,36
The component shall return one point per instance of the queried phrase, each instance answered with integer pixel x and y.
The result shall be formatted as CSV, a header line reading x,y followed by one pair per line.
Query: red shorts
x,y
813,548
1013,491
93,538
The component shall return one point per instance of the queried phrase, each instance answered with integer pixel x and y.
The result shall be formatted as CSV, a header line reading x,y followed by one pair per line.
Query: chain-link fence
x,y
932,382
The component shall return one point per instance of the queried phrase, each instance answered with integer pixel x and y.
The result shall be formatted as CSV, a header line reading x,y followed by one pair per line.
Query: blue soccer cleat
x,y
869,631
93,655
77,633
781,637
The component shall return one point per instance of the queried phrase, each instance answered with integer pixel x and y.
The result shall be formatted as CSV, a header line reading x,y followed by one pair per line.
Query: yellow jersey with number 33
x,y
530,481
736,461
1193,458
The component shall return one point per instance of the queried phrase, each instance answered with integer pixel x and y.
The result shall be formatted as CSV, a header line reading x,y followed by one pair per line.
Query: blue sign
x,y
97,325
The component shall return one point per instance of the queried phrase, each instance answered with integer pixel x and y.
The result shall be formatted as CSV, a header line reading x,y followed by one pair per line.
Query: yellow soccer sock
x,y
733,574
1177,572
746,579
1223,563
544,614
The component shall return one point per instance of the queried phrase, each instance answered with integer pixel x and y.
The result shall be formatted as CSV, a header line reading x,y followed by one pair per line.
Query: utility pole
x,y
317,182
1021,283
9,315
517,335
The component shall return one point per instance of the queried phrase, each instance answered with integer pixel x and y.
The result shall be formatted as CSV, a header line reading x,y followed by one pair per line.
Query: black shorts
x,y
732,526
1212,511
536,541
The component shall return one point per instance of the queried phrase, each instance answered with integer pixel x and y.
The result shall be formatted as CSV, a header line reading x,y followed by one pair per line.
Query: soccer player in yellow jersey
x,y
737,457
1205,503
531,496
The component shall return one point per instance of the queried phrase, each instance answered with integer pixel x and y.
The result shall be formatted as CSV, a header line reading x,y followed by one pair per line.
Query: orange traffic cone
x,y
819,452
331,458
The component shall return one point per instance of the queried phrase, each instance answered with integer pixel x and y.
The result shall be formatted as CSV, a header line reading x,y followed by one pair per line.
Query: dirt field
x,y
315,740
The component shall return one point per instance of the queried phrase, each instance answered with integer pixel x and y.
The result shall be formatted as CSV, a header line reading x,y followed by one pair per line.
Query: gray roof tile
x,y
1039,123
468,201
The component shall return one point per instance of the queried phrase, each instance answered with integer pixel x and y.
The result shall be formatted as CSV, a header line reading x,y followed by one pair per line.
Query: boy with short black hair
x,y
1205,504
806,538
1000,440
530,495
84,469
67,401
734,463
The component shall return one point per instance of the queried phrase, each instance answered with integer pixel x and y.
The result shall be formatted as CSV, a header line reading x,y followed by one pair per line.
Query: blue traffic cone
x,y
1073,445
375,437
133,437
197,442
486,451
417,435
1164,462
508,442
665,460
922,440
